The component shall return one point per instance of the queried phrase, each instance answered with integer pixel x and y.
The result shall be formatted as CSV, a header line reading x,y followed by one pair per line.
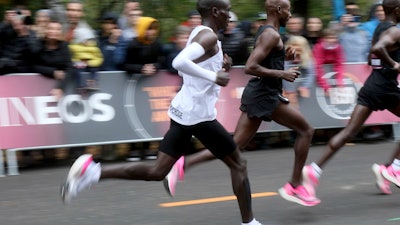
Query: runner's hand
x,y
291,74
227,64
290,53
222,78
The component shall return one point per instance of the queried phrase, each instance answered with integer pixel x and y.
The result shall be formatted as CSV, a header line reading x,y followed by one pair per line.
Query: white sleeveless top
x,y
196,100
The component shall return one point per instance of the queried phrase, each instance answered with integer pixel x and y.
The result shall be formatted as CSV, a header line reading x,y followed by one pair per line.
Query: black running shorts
x,y
212,135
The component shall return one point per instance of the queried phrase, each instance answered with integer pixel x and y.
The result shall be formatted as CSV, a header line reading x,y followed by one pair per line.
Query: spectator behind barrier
x,y
144,54
75,20
352,8
375,16
54,58
111,43
328,51
179,42
303,60
313,30
9,15
194,19
294,26
252,28
87,58
82,38
42,18
18,45
354,41
233,41
129,32
124,18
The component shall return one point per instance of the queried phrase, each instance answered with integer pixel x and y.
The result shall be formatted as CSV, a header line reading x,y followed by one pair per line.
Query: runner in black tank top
x,y
379,92
264,91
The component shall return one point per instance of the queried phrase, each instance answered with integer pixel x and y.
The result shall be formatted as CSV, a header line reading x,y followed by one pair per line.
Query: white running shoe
x,y
254,222
83,173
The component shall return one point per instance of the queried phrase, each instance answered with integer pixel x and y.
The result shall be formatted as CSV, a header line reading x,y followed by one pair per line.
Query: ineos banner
x,y
134,108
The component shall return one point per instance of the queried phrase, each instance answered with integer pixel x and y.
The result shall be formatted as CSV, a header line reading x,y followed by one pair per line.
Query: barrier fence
x,y
134,109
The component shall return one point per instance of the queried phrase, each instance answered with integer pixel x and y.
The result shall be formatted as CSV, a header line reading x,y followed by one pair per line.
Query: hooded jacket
x,y
88,52
141,50
142,26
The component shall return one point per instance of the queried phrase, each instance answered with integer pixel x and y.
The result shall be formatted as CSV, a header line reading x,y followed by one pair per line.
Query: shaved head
x,y
204,6
278,12
271,5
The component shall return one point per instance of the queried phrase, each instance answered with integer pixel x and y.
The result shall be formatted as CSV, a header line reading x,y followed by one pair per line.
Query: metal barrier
x,y
2,174
130,109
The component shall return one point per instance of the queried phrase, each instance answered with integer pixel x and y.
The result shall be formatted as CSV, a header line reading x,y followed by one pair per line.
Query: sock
x,y
317,169
253,222
396,164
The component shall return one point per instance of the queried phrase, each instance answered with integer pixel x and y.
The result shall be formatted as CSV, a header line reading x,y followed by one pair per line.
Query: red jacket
x,y
333,55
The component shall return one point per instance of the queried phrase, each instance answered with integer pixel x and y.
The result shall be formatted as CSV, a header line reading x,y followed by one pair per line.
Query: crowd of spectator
x,y
62,45
130,41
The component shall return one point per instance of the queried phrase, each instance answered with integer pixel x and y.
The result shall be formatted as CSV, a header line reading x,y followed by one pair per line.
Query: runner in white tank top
x,y
196,100
192,113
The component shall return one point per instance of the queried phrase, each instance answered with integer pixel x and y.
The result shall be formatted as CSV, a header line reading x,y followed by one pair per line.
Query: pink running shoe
x,y
176,173
298,195
381,182
179,166
310,180
392,175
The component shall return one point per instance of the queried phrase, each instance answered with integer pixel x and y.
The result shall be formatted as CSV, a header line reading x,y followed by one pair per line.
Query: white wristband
x,y
184,62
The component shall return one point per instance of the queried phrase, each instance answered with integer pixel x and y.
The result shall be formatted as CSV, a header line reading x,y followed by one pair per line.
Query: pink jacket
x,y
333,55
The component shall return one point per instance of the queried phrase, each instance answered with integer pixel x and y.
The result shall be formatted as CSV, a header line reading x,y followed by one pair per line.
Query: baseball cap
x,y
233,16
109,16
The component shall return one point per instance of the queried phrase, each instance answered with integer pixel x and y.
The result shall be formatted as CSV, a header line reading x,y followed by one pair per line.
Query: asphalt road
x,y
347,191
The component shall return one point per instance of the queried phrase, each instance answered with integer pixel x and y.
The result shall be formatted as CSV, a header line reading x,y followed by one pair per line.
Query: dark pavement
x,y
347,191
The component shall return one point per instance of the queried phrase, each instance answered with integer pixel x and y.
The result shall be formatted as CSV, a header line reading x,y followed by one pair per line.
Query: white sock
x,y
396,164
317,169
253,222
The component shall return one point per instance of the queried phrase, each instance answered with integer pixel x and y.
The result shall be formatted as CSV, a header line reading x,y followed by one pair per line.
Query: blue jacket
x,y
370,26
113,54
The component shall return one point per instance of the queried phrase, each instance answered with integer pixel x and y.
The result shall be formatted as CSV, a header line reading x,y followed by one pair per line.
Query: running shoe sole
x,y
291,198
166,186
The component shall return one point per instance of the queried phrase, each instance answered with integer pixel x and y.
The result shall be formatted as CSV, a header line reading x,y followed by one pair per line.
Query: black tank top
x,y
382,27
385,79
274,60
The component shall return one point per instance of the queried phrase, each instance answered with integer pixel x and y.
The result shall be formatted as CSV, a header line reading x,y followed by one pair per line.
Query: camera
x,y
27,20
356,19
